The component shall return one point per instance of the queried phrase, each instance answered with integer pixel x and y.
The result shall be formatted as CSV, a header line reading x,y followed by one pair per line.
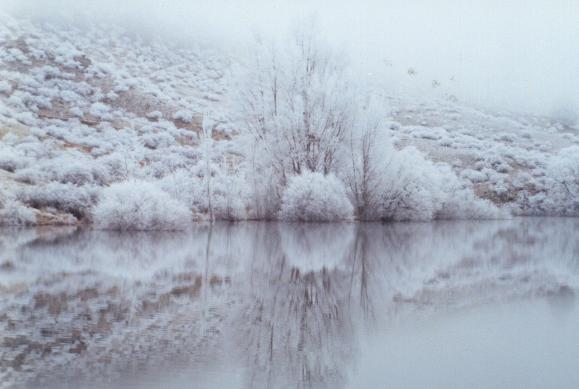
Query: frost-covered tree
x,y
294,102
303,115
363,158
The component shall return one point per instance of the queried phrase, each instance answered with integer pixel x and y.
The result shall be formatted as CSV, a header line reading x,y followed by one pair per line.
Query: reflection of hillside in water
x,y
287,299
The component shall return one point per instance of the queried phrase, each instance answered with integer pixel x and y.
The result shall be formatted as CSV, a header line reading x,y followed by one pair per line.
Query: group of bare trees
x,y
306,111
295,104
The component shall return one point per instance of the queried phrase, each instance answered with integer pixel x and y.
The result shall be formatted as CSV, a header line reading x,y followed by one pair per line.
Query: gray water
x,y
464,304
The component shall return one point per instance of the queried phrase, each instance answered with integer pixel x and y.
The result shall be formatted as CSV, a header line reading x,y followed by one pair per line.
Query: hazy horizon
x,y
520,56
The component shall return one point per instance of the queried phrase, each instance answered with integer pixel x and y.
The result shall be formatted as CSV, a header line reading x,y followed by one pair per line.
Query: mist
x,y
517,55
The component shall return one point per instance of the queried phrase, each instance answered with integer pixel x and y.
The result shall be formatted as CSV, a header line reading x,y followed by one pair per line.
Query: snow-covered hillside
x,y
516,159
85,108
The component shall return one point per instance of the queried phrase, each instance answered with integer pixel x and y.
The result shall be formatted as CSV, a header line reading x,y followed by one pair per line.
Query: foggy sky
x,y
511,54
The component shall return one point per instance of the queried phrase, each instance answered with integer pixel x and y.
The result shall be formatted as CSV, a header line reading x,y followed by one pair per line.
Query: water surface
x,y
256,305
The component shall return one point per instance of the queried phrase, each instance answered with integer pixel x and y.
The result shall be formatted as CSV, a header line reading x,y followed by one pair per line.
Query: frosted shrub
x,y
183,186
316,197
383,183
76,200
79,171
184,116
563,180
459,201
418,189
228,197
119,165
556,191
31,175
158,140
464,204
5,87
71,168
139,205
154,115
265,189
266,198
100,111
406,190
16,214
13,213
390,185
12,161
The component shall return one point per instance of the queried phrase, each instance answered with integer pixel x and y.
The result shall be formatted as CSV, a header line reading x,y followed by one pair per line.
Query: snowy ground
x,y
83,108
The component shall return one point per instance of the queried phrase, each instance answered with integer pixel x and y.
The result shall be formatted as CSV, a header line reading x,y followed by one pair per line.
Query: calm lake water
x,y
463,304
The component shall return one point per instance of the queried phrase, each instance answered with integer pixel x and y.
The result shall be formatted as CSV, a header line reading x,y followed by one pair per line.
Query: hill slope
x,y
83,108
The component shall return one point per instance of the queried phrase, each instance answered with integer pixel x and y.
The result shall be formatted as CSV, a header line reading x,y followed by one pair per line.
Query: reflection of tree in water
x,y
362,266
311,286
296,314
96,303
